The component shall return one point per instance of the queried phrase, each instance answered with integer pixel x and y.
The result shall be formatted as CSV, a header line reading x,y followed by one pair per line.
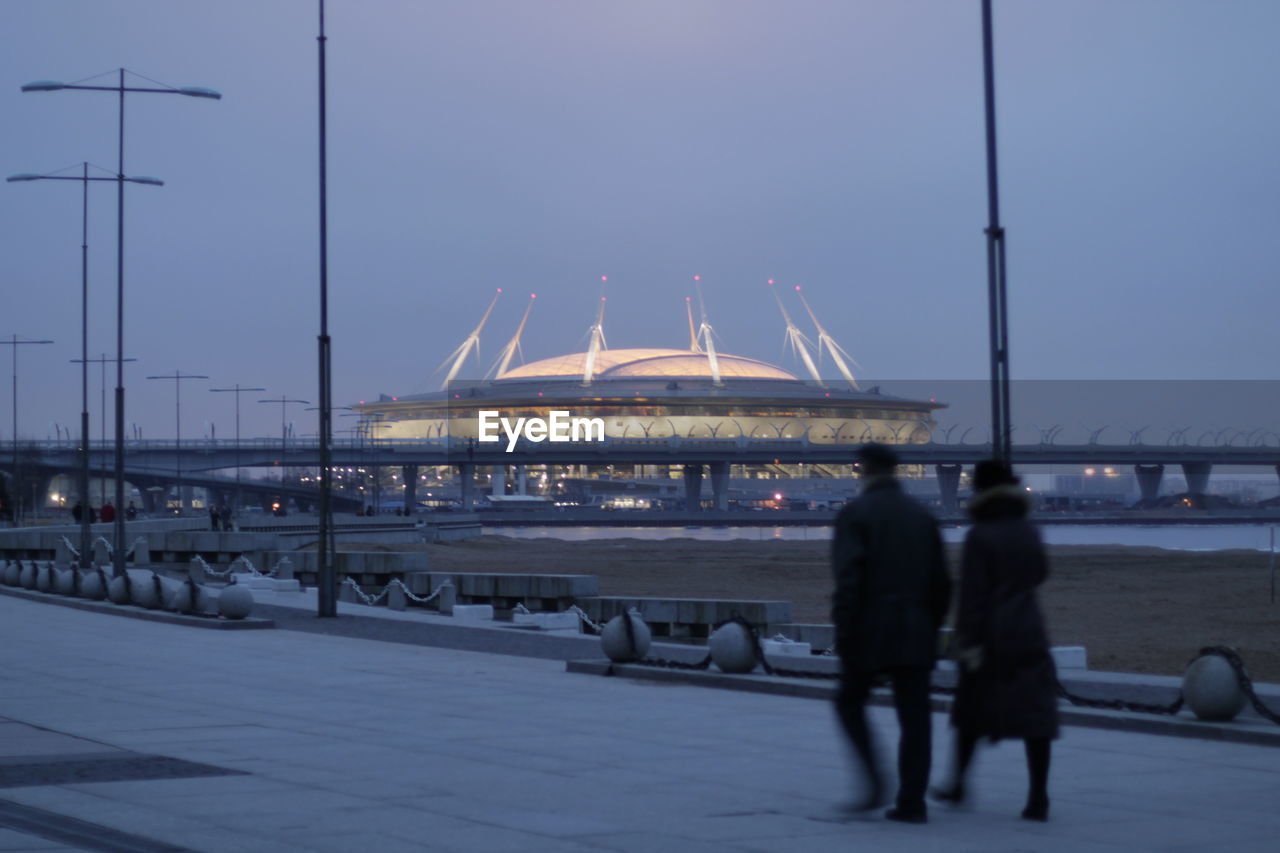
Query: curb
x,y
1247,732
132,611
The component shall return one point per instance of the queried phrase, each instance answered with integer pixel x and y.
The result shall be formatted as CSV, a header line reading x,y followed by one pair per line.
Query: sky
x,y
538,145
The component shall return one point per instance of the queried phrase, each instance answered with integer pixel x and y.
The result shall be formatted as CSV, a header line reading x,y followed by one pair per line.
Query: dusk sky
x,y
536,145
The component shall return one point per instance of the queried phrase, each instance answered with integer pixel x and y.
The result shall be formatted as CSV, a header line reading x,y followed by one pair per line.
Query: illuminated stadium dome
x,y
661,393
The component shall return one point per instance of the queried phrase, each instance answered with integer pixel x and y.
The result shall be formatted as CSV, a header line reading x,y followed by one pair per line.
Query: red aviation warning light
x,y
604,278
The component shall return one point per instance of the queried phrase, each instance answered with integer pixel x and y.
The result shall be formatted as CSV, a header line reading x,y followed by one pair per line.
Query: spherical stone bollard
x,y
92,586
1211,689
732,649
12,575
118,590
620,647
28,578
186,598
235,602
65,582
44,578
144,592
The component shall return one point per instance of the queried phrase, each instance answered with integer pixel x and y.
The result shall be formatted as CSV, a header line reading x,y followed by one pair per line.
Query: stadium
x,y
661,393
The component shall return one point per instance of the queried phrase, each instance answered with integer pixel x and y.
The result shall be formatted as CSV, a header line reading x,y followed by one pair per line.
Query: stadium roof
x,y
648,363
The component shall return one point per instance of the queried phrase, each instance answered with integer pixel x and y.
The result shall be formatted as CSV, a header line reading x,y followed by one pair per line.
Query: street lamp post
x,y
84,179
104,361
118,553
997,280
177,376
15,343
237,390
284,434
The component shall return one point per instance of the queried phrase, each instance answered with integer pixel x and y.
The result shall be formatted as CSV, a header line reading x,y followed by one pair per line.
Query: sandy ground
x,y
1135,609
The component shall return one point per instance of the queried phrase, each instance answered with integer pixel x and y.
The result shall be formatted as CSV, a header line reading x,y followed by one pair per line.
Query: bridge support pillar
x,y
409,476
1149,477
719,485
498,480
522,480
1197,474
467,485
949,485
693,487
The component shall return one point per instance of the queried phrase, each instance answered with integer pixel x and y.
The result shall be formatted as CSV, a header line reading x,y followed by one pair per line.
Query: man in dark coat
x,y
1008,687
891,596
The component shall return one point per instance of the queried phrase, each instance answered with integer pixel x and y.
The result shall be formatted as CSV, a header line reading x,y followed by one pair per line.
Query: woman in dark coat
x,y
1008,684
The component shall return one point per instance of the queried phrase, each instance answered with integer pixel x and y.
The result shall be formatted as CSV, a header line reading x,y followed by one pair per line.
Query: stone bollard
x,y
196,571
12,574
93,585
140,552
147,591
621,645
101,552
732,649
64,582
118,590
62,551
44,578
396,599
28,577
284,569
186,597
448,598
1211,689
235,602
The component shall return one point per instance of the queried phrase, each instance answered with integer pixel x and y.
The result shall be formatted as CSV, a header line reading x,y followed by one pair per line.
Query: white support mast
x,y
597,343
471,342
694,346
513,345
707,334
797,340
838,354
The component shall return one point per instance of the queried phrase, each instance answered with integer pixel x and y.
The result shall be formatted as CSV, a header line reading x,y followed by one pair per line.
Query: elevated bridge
x,y
161,459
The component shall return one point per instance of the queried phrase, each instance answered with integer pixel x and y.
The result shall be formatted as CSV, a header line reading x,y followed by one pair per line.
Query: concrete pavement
x,y
346,744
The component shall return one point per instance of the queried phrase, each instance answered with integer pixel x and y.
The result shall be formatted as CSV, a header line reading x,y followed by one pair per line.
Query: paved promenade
x,y
310,742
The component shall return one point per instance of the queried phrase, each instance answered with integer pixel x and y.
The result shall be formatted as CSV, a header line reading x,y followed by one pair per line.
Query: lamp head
x,y
24,176
200,92
143,179
44,86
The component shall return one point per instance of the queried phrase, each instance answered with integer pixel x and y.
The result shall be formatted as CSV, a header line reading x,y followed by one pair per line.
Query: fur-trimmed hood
x,y
1006,501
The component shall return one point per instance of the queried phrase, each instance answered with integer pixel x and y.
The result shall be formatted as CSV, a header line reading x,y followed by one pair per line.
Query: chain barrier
x,y
586,620
374,599
1230,655
75,552
103,540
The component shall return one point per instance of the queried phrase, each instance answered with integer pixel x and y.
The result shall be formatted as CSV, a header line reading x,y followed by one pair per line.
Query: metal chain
x,y
75,552
596,627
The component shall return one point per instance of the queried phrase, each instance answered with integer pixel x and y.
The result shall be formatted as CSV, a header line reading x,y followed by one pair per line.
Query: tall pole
x,y
86,535
104,360
1001,433
16,498
237,390
118,552
326,579
177,378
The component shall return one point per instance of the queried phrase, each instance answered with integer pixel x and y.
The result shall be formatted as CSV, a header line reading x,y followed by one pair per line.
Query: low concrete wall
x,y
687,617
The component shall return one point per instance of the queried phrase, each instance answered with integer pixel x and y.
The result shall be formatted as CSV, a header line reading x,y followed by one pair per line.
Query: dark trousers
x,y
915,742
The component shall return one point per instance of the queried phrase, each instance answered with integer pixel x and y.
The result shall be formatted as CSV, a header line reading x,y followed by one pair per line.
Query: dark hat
x,y
877,457
990,473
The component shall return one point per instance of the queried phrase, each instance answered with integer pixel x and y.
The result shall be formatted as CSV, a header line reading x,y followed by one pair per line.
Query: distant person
x,y
1008,682
77,512
224,512
214,522
891,595
108,513
93,514
131,512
